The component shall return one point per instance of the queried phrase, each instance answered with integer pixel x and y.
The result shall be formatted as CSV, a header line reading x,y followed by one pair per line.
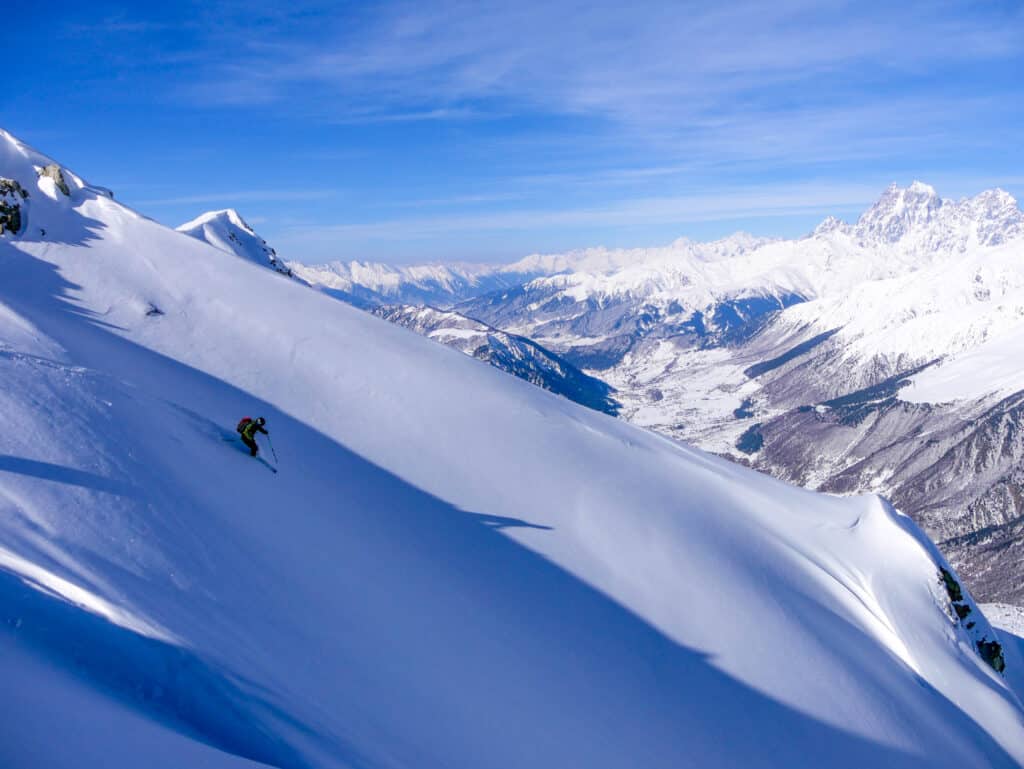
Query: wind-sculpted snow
x,y
451,569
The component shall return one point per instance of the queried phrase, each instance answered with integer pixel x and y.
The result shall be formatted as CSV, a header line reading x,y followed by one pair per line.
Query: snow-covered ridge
x,y
907,229
227,231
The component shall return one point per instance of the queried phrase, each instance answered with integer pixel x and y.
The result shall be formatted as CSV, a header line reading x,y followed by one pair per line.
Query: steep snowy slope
x,y
991,367
512,354
452,567
228,231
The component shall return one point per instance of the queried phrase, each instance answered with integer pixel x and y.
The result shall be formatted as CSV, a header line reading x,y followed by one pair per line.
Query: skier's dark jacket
x,y
250,430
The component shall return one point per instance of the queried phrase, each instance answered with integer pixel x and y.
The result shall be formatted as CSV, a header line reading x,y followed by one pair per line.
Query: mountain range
x,y
430,563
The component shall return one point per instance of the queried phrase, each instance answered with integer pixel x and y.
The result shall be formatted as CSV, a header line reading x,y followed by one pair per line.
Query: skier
x,y
248,428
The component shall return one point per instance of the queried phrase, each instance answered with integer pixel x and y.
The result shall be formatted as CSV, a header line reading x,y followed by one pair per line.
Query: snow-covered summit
x,y
228,231
918,213
899,211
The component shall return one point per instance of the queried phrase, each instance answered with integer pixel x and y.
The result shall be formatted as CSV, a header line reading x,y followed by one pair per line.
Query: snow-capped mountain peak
x,y
228,231
829,225
899,211
995,215
226,216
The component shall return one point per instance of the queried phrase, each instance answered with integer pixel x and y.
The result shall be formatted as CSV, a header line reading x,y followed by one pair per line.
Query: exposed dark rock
x,y
13,188
751,441
745,411
12,196
990,651
952,586
54,171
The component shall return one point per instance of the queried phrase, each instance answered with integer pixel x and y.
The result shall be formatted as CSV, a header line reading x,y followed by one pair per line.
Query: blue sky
x,y
484,131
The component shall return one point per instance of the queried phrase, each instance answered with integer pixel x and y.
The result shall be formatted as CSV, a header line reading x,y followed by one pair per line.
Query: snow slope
x,y
512,354
451,569
992,368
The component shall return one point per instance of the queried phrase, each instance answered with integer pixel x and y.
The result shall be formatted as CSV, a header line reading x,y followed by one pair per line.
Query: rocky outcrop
x,y
12,198
54,172
963,612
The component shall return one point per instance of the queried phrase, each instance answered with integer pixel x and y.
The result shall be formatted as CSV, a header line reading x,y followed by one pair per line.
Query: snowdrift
x,y
451,569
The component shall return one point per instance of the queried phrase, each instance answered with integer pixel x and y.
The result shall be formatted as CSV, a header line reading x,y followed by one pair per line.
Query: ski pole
x,y
271,444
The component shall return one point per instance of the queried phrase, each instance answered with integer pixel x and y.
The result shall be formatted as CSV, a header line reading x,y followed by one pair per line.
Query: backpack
x,y
243,424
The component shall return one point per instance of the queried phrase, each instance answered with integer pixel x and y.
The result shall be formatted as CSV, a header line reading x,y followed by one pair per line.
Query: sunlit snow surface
x,y
451,569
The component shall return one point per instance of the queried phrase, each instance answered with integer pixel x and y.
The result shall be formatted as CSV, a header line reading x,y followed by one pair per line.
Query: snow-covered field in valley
x,y
452,568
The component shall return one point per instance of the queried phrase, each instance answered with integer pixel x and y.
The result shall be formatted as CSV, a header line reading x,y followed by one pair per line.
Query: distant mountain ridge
x,y
370,284
914,225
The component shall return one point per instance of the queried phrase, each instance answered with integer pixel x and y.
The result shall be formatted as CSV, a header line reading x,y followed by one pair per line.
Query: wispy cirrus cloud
x,y
768,201
795,82
635,62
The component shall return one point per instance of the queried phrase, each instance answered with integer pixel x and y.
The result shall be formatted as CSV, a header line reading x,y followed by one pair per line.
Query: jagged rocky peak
x,y
996,215
899,211
989,218
829,225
